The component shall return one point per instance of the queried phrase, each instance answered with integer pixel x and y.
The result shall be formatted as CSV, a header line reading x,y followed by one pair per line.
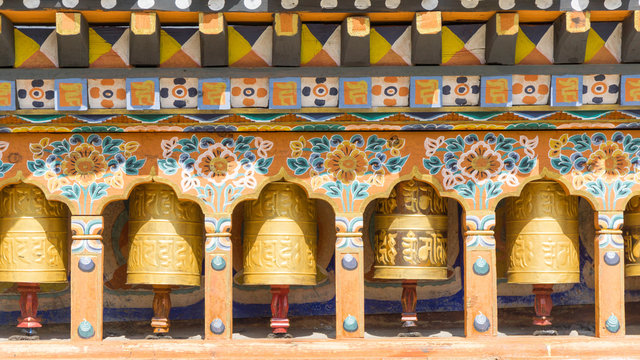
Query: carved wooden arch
x,y
547,174
20,178
128,188
283,175
415,174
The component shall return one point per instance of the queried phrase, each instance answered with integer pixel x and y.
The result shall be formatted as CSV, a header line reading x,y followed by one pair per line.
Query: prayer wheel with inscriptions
x,y
410,240
166,238
541,229
33,236
280,237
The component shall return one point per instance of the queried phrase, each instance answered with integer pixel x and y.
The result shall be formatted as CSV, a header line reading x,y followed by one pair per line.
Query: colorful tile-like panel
x,y
417,92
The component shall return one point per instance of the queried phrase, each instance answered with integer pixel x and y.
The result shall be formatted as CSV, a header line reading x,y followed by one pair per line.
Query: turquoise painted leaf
x,y
61,147
597,188
563,164
168,166
37,167
189,145
375,144
433,164
334,189
526,165
71,192
133,165
493,189
396,163
581,142
97,190
298,165
359,190
4,168
320,145
455,145
76,139
504,144
111,146
467,190
262,165
622,188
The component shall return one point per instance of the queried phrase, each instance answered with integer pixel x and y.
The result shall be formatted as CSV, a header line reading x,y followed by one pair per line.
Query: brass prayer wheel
x,y
411,234
33,236
541,230
631,235
166,238
280,237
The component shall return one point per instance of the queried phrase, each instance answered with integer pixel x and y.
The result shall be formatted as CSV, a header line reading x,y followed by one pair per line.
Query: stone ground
x,y
568,320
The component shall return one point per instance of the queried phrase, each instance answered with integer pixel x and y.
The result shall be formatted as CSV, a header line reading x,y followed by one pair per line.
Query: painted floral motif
x,y
606,168
319,91
600,89
36,94
4,167
250,92
460,90
390,91
479,169
217,171
346,168
82,169
530,89
178,93
107,93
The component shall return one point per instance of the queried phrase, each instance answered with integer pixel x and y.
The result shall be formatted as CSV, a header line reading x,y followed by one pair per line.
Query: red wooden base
x,y
279,309
543,304
29,307
409,300
161,309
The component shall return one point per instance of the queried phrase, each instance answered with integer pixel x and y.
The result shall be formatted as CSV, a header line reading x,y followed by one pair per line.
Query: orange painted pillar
x,y
87,267
218,282
480,283
349,277
609,270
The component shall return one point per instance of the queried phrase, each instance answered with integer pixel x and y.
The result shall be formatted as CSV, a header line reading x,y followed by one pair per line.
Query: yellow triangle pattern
x,y
310,46
451,44
168,46
524,46
594,44
25,47
97,46
379,46
238,46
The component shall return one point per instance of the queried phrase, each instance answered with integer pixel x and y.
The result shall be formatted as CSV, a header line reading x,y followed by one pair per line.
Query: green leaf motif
x,y
298,165
168,166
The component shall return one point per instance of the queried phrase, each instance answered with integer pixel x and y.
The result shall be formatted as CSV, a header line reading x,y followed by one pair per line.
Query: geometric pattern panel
x,y
530,89
178,93
109,46
604,43
390,45
107,93
249,92
179,46
460,90
36,93
320,45
600,89
250,45
463,44
36,47
534,44
390,91
320,91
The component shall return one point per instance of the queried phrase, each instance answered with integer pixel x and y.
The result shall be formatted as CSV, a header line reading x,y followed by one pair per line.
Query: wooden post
x,y
214,43
426,38
72,36
571,31
355,43
609,271
501,37
631,38
86,264
7,47
480,286
144,39
218,294
286,40
349,277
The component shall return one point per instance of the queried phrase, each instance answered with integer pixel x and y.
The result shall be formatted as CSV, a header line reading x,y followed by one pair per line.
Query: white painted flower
x,y
217,164
248,180
451,179
480,163
263,146
168,146
189,181
432,145
529,145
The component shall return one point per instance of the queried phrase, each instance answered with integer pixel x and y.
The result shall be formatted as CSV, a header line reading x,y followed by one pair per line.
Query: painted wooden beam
x,y
144,39
501,37
571,31
218,279
72,35
631,38
7,48
287,40
426,38
355,45
214,40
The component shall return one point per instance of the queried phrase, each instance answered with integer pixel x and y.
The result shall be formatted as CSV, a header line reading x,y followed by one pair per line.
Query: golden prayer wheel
x,y
411,234
631,235
541,230
33,236
165,236
280,237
